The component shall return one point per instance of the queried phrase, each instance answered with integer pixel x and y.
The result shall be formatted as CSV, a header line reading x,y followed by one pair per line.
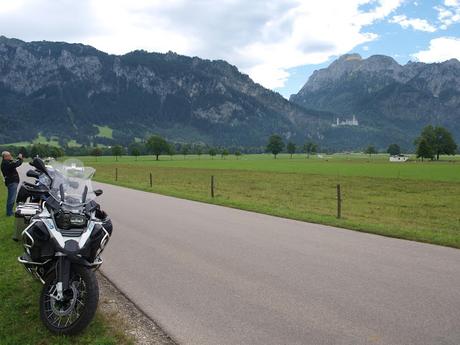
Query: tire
x,y
75,313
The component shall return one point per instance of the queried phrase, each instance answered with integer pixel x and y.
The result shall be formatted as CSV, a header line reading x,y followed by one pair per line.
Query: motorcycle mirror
x,y
38,163
33,173
98,192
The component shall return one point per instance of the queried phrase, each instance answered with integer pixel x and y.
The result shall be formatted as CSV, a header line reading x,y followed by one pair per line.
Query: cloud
x,y
452,2
264,38
440,49
414,23
64,20
449,13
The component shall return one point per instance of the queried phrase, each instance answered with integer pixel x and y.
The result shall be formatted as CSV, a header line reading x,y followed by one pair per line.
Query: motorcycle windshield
x,y
72,182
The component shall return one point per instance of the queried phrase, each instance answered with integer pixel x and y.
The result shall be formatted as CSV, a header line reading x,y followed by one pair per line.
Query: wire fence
x,y
425,210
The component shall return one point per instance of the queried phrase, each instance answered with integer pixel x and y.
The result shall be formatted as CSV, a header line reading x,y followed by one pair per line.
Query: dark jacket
x,y
9,171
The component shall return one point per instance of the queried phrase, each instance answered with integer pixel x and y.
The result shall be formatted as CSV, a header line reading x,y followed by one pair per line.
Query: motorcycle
x,y
65,232
33,191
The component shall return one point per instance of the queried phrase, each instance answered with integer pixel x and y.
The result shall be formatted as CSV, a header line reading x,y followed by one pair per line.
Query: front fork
x,y
63,276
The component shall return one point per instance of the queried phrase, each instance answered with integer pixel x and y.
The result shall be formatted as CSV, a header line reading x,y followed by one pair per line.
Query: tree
x,y
291,148
199,152
447,144
439,140
117,151
171,151
237,154
224,153
56,152
157,145
212,152
275,144
185,150
370,150
23,151
310,148
135,152
33,151
424,150
96,152
394,150
39,150
135,149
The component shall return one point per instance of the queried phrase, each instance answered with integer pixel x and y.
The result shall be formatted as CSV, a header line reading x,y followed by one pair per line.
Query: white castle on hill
x,y
352,122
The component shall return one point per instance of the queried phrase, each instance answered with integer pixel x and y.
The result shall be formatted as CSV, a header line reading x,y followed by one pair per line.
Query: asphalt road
x,y
214,275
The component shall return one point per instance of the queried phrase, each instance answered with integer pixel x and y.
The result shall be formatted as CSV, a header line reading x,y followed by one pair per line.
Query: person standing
x,y
11,177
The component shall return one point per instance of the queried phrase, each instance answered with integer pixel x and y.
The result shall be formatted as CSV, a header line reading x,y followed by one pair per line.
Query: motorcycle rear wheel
x,y
74,313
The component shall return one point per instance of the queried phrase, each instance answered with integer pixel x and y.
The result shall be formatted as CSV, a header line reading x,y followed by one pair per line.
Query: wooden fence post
x,y
151,180
339,202
116,174
212,186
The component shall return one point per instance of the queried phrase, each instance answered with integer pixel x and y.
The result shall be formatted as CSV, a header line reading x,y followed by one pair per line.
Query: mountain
x,y
70,91
76,92
391,102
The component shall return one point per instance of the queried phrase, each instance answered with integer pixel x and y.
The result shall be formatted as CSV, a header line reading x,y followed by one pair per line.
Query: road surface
x,y
214,275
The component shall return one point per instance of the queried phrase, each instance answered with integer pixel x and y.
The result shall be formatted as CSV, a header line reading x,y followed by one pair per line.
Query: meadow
x,y
447,169
413,200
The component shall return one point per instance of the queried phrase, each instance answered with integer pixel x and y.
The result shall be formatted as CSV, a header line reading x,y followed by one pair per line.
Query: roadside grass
x,y
19,294
418,208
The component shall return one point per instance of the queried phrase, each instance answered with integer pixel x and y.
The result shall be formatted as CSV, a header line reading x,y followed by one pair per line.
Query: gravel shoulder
x,y
117,308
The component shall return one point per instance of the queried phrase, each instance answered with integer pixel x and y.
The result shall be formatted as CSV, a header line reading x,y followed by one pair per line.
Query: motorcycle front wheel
x,y
75,311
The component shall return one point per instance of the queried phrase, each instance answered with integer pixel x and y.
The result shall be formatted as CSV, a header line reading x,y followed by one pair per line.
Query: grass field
x,y
19,294
39,140
105,132
334,165
43,140
413,200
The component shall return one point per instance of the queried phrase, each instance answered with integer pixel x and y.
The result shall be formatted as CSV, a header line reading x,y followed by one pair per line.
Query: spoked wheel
x,y
75,310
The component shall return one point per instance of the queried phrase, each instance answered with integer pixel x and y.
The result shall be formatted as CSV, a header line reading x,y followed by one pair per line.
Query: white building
x,y
399,158
346,122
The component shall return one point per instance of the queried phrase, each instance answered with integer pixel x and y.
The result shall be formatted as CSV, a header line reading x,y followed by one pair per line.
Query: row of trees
x,y
154,145
157,145
432,142
41,150
276,145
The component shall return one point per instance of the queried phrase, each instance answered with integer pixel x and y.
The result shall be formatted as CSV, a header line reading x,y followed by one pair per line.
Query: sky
x,y
278,43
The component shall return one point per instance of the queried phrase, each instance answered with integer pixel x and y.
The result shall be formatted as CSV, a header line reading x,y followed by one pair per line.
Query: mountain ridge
x,y
71,88
68,90
394,101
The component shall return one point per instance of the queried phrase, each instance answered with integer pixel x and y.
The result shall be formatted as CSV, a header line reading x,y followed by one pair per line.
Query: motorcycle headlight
x,y
67,220
77,220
